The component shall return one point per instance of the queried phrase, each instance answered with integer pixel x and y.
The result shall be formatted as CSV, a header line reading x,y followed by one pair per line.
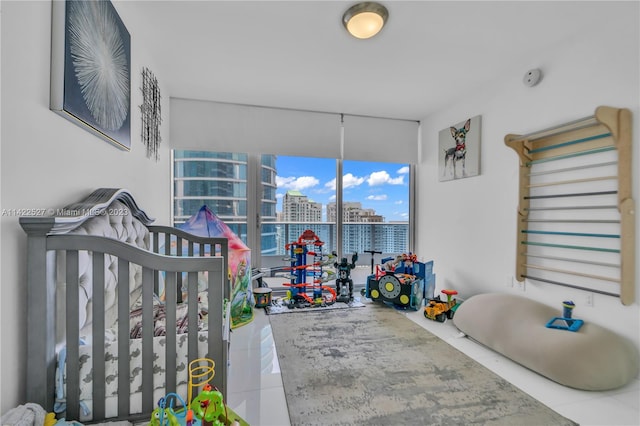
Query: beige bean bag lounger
x,y
591,358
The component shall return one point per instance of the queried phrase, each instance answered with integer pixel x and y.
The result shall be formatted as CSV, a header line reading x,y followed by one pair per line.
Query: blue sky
x,y
383,187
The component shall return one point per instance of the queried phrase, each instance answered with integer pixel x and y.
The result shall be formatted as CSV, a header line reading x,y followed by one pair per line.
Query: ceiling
x,y
297,54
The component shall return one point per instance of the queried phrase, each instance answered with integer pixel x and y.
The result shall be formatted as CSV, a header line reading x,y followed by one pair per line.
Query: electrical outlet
x,y
588,301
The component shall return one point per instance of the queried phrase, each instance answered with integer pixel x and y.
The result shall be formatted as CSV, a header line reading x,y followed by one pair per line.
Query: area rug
x,y
279,307
374,366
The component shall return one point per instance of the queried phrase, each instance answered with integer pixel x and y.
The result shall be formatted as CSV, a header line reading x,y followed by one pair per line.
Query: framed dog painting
x,y
91,69
459,150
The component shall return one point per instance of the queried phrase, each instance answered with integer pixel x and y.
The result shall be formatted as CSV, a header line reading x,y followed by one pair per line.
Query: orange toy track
x,y
308,298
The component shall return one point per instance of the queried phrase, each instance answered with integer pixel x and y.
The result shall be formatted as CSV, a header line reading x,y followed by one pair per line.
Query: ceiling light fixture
x,y
366,19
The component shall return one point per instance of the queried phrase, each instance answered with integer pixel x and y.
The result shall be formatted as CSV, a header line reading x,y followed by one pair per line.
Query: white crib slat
x,y
170,307
73,336
147,340
124,386
98,330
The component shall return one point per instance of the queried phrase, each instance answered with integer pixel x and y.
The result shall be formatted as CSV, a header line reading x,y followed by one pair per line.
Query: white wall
x,y
468,226
48,161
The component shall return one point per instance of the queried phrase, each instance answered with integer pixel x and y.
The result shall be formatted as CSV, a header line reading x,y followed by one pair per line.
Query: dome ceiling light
x,y
366,19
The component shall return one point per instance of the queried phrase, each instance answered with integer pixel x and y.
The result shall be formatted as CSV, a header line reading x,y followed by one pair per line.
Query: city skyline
x,y
383,187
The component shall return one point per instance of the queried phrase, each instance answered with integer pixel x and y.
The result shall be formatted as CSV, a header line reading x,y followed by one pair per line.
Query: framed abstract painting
x,y
91,69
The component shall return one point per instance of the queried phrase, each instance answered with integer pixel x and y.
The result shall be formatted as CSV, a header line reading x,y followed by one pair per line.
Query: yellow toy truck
x,y
439,310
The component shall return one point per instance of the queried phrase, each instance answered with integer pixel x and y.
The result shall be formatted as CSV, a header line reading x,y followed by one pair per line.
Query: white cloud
x,y
332,198
381,197
382,177
350,180
282,182
403,170
331,185
399,202
297,183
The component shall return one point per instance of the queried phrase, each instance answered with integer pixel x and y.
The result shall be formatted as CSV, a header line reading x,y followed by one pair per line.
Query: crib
x,y
100,342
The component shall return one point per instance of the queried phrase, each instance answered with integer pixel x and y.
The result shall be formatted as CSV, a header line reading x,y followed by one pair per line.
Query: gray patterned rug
x,y
373,366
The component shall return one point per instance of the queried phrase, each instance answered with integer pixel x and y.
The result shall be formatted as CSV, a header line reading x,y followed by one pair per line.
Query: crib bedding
x,y
135,377
159,319
136,361
136,365
135,400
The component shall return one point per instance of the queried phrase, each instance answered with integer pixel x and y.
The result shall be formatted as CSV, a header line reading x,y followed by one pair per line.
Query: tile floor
x,y
257,394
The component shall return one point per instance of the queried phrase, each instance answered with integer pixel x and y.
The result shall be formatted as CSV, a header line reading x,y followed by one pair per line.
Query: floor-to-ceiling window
x,y
295,194
375,207
303,189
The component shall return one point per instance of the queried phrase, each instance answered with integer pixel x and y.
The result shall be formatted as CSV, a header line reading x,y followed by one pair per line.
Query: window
x,y
375,207
296,194
217,180
302,191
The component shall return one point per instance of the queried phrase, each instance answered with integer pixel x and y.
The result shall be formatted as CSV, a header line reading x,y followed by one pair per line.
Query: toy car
x,y
439,310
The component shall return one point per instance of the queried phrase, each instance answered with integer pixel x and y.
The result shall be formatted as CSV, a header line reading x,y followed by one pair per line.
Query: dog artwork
x,y
458,152
456,147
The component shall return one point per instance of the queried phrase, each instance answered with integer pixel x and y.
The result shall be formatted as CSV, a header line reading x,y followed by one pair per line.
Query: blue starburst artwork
x,y
96,69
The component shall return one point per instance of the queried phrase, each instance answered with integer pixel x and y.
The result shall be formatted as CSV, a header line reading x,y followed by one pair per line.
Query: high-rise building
x,y
352,212
297,207
219,181
269,236
363,229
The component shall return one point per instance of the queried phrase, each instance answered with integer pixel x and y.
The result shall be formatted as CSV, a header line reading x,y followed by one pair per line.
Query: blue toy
x,y
562,323
403,282
565,322
167,415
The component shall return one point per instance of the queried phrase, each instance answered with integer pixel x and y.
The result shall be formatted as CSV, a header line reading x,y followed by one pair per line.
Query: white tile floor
x,y
257,394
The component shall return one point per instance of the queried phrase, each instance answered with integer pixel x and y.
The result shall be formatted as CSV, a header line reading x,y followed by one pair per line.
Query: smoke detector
x,y
532,77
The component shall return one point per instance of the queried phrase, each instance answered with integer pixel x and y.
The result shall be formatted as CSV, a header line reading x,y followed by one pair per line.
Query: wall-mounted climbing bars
x,y
576,214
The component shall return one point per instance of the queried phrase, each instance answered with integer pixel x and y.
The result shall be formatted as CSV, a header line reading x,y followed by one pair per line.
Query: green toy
x,y
209,406
163,416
